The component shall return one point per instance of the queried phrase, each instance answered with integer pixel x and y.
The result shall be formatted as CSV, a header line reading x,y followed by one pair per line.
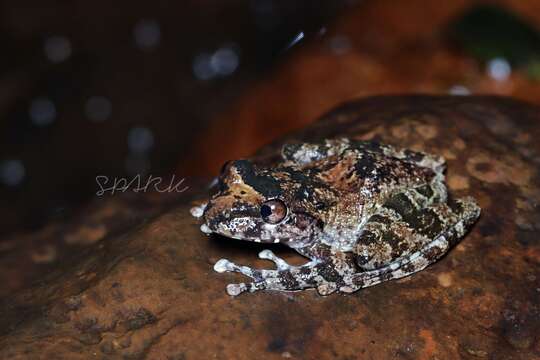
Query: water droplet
x,y
140,139
147,34
202,69
12,172
42,111
98,108
224,61
499,69
57,49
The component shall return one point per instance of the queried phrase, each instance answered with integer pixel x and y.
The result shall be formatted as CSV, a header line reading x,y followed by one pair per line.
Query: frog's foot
x,y
260,276
263,279
319,275
309,271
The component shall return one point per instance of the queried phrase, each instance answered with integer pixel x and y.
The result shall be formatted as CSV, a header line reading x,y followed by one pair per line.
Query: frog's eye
x,y
273,211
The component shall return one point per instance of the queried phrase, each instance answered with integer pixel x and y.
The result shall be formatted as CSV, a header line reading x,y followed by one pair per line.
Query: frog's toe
x,y
326,288
347,289
269,255
224,265
236,289
198,211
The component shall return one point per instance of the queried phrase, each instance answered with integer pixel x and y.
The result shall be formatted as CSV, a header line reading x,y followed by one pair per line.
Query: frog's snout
x,y
225,217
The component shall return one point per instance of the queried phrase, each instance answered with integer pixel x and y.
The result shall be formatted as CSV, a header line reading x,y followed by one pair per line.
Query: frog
x,y
361,212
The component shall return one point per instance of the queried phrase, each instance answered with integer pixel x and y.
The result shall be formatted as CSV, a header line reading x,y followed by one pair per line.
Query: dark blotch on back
x,y
262,183
401,204
391,238
365,166
429,223
369,238
308,183
380,219
425,190
423,221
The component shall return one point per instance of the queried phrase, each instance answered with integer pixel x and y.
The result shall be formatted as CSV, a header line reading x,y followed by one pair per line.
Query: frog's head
x,y
267,205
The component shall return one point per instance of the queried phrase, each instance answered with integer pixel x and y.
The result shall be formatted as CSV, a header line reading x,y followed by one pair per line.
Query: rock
x,y
150,292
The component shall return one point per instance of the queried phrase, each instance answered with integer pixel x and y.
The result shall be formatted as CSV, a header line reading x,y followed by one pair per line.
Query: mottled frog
x,y
361,212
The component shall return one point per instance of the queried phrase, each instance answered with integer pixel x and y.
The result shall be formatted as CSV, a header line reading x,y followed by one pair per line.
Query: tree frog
x,y
362,212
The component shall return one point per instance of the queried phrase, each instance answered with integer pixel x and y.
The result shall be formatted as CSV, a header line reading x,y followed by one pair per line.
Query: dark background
x,y
96,88
161,88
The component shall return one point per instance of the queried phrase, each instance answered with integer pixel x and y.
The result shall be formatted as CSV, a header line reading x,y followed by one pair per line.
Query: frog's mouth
x,y
239,222
244,228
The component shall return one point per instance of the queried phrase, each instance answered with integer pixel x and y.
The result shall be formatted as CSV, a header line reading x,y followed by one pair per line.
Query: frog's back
x,y
371,169
311,154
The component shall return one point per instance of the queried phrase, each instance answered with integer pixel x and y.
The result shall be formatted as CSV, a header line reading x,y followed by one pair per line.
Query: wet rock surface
x,y
150,292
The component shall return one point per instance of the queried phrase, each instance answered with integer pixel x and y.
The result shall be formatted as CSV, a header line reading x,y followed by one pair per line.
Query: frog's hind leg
x,y
460,215
400,268
405,223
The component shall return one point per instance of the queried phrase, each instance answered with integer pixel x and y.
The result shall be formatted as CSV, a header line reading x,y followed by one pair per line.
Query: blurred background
x,y
162,88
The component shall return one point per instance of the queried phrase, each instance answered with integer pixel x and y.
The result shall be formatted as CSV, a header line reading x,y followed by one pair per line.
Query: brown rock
x,y
150,292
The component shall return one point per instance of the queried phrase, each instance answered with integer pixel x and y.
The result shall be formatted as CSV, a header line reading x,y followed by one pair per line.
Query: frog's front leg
x,y
320,274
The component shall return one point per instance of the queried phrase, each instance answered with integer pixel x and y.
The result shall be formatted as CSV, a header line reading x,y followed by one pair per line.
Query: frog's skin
x,y
362,212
